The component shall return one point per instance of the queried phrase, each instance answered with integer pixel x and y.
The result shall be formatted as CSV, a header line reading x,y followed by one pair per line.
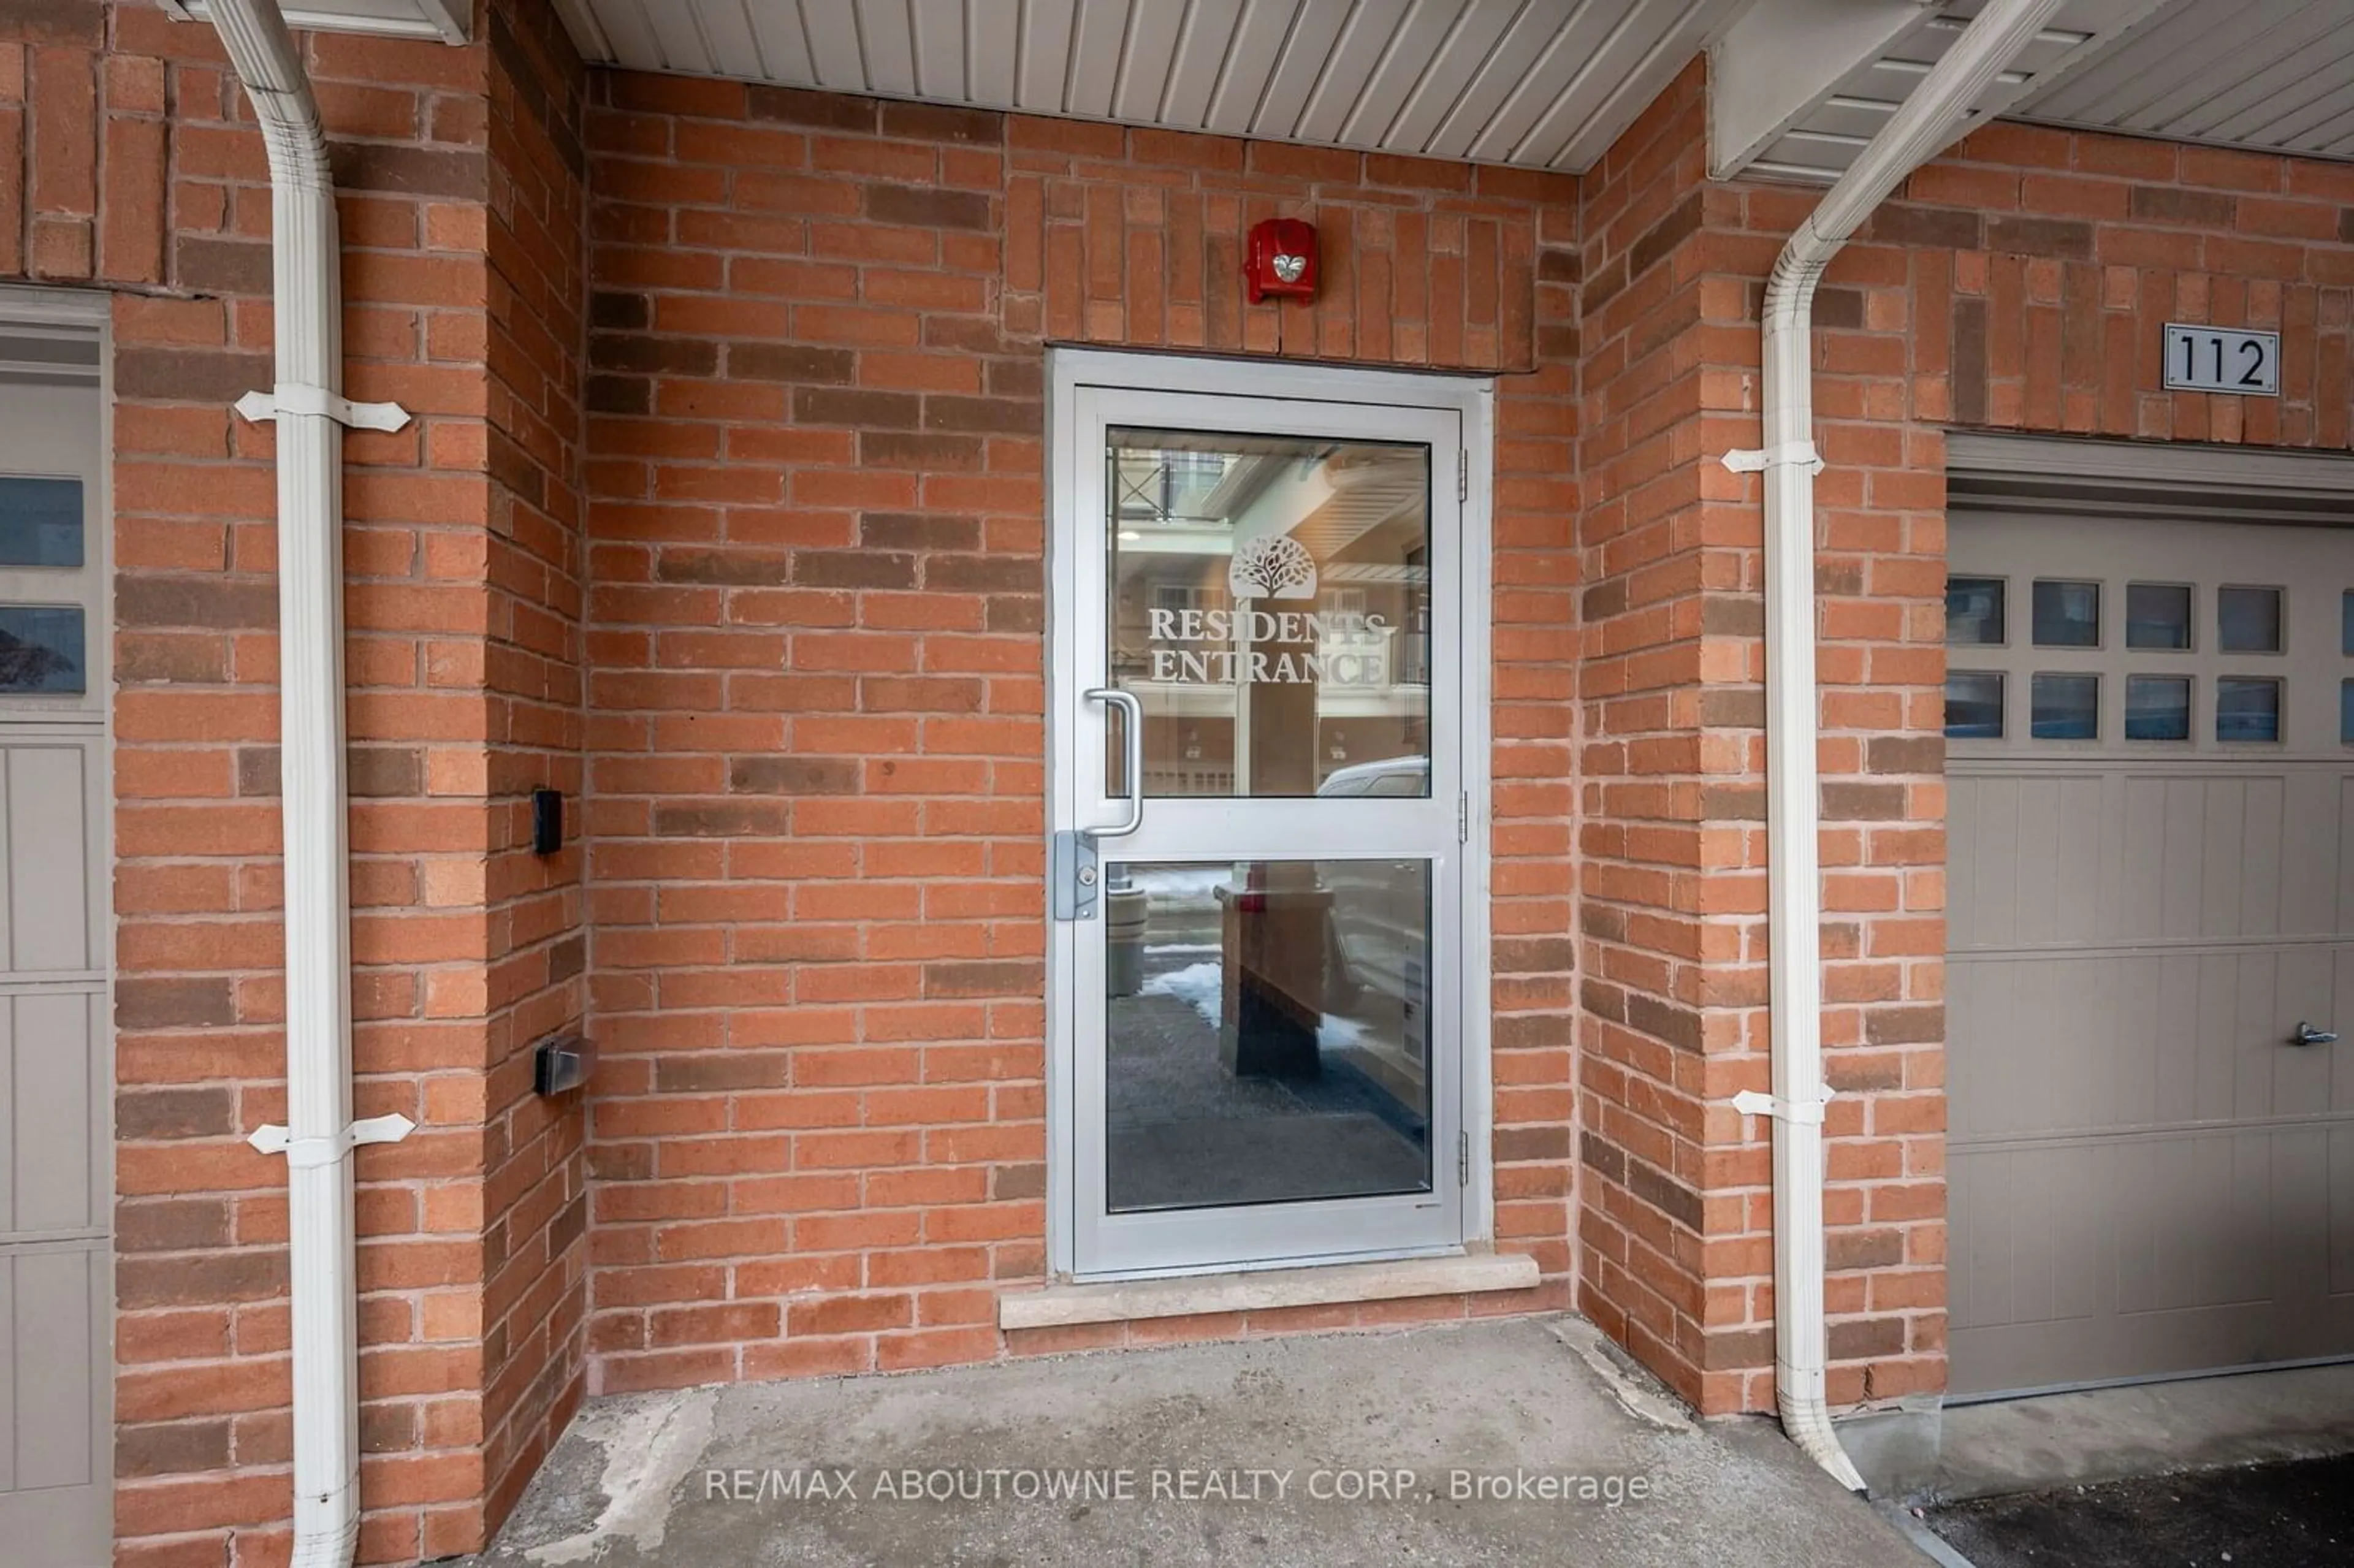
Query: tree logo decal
x,y
1277,566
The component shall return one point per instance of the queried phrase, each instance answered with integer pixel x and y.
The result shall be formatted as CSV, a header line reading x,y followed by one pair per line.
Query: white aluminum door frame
x,y
1090,391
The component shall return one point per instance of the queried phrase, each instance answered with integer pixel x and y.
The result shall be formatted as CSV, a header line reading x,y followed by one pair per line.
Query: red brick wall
x,y
535,1201
2020,283
817,783
1663,595
129,162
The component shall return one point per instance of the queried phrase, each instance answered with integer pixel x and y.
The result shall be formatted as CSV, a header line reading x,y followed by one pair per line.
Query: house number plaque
x,y
2221,359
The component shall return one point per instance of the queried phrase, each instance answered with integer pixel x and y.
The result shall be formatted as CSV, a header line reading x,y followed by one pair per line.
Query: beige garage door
x,y
2152,888
56,1289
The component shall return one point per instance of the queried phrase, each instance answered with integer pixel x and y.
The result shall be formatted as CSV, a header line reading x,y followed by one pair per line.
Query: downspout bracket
x,y
294,398
1750,1102
302,1153
1757,461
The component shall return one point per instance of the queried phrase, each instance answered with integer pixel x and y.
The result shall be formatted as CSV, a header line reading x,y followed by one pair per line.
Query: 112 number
x,y
2203,359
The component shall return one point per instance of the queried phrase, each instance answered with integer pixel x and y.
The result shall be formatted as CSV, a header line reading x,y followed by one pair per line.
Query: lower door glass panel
x,y
1266,1033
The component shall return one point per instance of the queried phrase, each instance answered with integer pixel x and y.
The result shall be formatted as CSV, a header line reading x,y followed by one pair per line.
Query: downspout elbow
x,y
268,66
1790,286
1807,1419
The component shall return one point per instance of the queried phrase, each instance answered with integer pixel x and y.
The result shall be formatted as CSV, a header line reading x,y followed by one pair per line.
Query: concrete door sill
x,y
1125,1300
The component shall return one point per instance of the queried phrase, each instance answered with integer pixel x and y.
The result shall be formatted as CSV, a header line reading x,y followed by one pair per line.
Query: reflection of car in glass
x,y
1399,777
1378,933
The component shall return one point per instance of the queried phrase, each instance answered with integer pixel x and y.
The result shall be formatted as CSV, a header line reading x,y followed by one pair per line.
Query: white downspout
x,y
1921,127
310,412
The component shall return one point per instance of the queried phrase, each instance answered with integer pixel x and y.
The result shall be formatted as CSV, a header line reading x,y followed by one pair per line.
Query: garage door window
x,y
43,649
2158,615
1974,704
2247,710
2066,707
2158,707
2067,615
40,521
1974,612
2248,620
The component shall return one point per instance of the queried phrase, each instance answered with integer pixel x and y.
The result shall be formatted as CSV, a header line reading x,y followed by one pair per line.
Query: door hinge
x,y
1463,474
1463,1159
1463,817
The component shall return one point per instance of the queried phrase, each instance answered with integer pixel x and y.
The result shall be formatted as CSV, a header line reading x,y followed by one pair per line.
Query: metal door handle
x,y
2306,1034
1134,749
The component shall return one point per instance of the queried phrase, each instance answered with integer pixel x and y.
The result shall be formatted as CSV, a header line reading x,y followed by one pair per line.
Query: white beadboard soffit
x,y
2265,75
1544,84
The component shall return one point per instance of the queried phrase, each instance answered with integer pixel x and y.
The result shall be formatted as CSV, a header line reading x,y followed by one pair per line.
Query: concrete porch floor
x,y
1289,1448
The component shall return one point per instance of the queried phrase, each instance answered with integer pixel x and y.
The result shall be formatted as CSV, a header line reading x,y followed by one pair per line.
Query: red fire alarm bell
x,y
1282,261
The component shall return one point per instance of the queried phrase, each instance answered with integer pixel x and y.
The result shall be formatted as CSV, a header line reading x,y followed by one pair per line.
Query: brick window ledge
x,y
1126,1300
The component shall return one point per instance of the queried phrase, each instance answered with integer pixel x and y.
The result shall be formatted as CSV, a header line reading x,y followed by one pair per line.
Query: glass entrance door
x,y
1258,673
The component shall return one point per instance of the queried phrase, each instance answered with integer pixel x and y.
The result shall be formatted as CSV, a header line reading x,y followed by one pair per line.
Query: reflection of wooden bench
x,y
1272,950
